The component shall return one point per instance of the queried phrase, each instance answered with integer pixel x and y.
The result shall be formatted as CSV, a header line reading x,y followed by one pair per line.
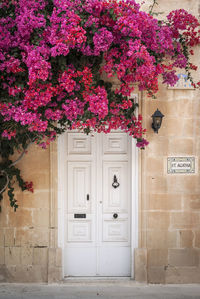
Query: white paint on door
x,y
97,212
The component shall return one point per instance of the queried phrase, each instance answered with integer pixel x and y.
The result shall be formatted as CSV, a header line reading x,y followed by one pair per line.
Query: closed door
x,y
97,206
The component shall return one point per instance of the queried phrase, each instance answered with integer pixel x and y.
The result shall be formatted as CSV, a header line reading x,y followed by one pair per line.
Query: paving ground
x,y
98,290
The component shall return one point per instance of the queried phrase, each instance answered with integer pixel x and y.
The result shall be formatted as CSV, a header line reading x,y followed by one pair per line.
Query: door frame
x,y
62,191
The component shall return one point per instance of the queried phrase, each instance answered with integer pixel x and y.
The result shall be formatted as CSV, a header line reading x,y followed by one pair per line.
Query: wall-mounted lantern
x,y
157,120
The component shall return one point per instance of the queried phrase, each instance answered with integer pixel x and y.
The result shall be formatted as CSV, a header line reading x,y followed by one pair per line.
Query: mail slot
x,y
79,215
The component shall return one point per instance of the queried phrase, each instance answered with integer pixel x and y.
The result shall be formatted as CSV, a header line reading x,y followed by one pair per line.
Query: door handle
x,y
115,215
88,197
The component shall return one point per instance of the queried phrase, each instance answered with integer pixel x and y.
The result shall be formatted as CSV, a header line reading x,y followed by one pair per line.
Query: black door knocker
x,y
115,183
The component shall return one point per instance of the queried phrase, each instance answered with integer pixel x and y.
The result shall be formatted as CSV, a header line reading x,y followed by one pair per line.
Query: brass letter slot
x,y
79,215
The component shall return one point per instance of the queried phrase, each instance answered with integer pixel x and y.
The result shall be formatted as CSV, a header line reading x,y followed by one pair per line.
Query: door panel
x,y
115,231
79,187
115,199
79,231
115,143
114,261
80,261
79,143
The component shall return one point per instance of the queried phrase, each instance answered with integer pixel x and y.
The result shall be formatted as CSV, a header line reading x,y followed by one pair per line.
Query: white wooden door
x,y
97,211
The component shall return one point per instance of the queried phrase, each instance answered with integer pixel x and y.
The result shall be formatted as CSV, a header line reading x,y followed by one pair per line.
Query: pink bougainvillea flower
x,y
56,58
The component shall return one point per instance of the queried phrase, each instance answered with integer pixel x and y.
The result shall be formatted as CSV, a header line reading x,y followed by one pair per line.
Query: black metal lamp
x,y
157,120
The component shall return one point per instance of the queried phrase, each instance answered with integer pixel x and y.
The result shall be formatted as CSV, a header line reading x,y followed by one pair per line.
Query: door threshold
x,y
99,281
96,278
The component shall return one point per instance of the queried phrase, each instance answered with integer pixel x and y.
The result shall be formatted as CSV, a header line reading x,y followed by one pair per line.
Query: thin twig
x,y
152,6
21,156
7,182
12,164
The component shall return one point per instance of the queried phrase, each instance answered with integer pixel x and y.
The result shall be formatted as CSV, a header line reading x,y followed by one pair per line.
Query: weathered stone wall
x,y
28,237
169,237
170,203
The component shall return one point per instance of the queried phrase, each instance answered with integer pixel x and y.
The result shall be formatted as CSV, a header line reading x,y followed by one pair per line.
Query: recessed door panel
x,y
115,230
79,143
115,143
79,231
79,187
115,187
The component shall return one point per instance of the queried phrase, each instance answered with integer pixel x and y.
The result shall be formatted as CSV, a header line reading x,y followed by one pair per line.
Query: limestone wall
x,y
28,237
169,237
170,203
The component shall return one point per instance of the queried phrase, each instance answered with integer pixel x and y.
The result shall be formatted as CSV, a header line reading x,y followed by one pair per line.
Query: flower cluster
x,y
98,102
52,56
9,134
29,186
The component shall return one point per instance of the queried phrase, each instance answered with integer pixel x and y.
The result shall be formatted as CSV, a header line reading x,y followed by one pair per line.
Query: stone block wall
x,y
170,203
28,250
169,219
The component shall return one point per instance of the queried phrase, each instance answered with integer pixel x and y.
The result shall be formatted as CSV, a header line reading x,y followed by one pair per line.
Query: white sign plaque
x,y
180,165
182,83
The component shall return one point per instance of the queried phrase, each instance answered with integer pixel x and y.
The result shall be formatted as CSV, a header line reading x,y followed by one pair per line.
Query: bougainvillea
x,y
53,56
